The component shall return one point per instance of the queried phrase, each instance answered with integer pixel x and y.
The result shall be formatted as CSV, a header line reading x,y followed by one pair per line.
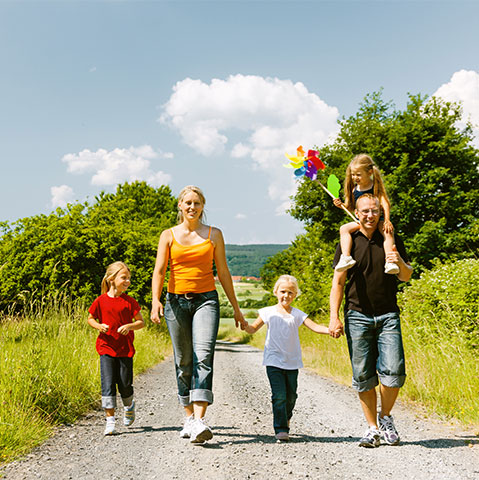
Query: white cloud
x,y
61,196
118,165
464,88
271,116
240,216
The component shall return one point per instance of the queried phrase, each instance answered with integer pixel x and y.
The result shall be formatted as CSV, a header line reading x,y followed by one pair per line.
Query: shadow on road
x,y
445,442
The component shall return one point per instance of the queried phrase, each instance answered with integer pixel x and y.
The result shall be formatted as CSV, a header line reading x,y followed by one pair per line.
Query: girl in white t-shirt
x,y
282,350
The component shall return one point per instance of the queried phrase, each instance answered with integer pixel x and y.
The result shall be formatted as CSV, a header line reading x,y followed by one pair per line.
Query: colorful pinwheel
x,y
305,166
309,166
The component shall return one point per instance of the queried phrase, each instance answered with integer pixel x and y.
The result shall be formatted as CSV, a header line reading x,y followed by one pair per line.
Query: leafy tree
x,y
70,248
430,169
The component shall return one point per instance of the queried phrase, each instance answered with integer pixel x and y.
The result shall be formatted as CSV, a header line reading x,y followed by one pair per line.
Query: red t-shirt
x,y
115,312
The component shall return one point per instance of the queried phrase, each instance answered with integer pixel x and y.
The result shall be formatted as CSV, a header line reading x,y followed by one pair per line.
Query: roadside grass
x,y
442,369
50,371
442,375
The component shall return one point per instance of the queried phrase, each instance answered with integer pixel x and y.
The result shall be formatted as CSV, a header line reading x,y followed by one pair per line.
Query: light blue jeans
x,y
193,322
375,349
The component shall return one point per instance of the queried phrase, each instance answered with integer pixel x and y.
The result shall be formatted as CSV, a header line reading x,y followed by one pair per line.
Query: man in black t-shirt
x,y
372,324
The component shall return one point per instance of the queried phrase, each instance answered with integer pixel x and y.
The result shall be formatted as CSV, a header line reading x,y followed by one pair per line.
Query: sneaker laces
x,y
388,423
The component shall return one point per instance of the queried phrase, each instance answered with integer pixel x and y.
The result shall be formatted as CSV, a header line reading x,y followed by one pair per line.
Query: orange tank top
x,y
191,267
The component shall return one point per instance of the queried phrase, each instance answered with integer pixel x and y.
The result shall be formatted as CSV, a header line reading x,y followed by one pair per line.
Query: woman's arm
x,y
225,276
255,326
162,257
316,327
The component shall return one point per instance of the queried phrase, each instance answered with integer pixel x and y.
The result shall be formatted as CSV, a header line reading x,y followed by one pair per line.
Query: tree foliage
x,y
70,248
430,169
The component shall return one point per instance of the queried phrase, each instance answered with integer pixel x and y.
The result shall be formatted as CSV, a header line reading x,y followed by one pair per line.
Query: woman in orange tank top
x,y
192,307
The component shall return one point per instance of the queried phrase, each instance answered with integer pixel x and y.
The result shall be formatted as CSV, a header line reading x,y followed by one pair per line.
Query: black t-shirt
x,y
369,290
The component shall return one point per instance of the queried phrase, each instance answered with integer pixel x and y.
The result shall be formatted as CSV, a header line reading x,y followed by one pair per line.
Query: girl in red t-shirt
x,y
116,315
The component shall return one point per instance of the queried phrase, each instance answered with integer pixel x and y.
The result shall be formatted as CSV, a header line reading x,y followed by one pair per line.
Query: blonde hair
x,y
183,193
111,272
365,163
287,279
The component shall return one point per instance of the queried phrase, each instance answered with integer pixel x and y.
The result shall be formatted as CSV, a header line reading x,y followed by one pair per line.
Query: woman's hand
x,y
156,312
239,319
338,203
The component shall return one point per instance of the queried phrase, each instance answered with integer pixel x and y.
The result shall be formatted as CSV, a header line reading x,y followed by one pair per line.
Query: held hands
x,y
156,312
239,320
393,256
336,328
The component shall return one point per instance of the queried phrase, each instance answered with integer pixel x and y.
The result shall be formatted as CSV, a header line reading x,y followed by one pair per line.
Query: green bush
x,y
444,302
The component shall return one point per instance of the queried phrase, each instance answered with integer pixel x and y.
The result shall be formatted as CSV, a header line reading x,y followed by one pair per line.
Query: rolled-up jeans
x,y
116,372
193,321
375,349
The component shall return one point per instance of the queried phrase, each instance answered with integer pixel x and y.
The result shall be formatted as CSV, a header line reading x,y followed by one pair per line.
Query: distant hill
x,y
247,260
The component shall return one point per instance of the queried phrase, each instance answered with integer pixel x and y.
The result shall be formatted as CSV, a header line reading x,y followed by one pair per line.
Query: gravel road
x,y
325,431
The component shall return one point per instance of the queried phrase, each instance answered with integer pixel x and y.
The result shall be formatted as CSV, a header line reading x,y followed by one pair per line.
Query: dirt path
x,y
325,431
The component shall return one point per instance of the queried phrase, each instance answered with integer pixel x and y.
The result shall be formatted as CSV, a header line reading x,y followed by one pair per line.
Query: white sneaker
x,y
344,263
129,416
371,438
391,268
110,426
200,432
388,430
187,426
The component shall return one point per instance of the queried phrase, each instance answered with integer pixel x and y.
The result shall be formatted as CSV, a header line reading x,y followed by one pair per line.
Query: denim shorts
x,y
193,321
375,349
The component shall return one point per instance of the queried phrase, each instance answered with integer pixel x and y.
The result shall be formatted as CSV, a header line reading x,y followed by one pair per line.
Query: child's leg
x,y
125,387
277,381
291,389
125,380
346,242
389,241
345,238
109,375
108,372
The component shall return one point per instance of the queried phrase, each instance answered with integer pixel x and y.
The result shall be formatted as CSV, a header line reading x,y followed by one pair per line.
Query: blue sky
x,y
209,93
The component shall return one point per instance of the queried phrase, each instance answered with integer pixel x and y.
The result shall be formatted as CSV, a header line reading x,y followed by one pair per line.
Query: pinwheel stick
x,y
342,206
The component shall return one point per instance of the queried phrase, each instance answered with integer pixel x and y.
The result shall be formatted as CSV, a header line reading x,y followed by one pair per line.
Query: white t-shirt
x,y
282,348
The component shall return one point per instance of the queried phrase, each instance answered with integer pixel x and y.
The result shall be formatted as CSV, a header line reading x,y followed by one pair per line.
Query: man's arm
x,y
405,269
336,328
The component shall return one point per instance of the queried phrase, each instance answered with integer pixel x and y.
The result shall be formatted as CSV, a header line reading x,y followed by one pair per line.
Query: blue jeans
x,y
284,384
116,371
375,349
193,326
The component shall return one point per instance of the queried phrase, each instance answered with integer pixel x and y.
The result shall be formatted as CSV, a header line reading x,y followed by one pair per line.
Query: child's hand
x,y
123,330
104,327
338,203
388,227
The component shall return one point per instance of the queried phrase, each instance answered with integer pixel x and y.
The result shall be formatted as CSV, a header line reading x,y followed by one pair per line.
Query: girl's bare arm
x,y
254,327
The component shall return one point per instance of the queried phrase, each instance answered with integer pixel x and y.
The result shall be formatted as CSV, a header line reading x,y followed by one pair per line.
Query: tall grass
x,y
50,370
